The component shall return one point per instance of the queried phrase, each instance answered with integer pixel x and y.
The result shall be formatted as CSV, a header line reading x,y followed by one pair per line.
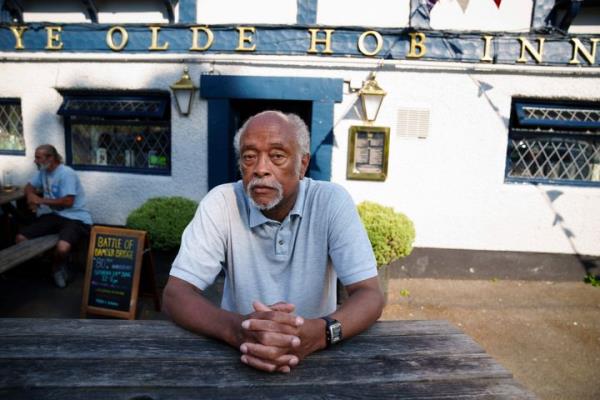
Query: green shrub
x,y
164,218
391,233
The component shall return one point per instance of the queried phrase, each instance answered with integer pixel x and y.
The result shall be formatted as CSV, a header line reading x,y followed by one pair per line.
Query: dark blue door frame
x,y
219,90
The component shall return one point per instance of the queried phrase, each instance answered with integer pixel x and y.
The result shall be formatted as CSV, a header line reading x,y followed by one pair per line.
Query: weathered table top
x,y
115,359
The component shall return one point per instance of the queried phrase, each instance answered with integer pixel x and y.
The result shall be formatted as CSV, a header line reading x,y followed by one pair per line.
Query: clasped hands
x,y
271,338
34,201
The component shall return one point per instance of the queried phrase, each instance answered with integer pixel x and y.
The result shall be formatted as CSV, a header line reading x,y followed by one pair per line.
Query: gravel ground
x,y
546,333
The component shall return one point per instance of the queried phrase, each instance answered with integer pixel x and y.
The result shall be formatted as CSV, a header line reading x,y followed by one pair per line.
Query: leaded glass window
x,y
11,127
554,142
119,132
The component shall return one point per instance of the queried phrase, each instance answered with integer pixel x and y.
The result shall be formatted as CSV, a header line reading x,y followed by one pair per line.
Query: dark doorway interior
x,y
243,109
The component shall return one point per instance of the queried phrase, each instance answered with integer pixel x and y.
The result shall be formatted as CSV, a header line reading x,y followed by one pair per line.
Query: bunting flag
x,y
430,3
463,4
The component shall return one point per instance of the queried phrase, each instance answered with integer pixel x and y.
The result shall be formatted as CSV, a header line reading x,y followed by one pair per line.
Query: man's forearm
x,y
63,202
362,308
28,189
188,308
37,200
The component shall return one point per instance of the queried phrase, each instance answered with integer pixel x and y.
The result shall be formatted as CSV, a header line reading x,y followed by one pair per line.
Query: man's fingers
x,y
276,317
258,306
258,363
288,327
272,354
279,306
266,365
283,307
274,339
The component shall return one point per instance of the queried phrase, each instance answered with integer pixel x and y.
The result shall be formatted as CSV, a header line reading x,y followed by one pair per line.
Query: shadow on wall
x,y
588,263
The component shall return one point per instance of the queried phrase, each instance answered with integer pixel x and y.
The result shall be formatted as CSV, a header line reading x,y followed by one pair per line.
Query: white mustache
x,y
270,183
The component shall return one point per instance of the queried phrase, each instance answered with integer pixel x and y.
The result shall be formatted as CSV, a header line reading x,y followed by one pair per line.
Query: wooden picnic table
x,y
9,196
116,359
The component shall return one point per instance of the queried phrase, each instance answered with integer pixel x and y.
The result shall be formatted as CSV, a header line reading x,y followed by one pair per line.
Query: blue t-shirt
x,y
296,260
61,182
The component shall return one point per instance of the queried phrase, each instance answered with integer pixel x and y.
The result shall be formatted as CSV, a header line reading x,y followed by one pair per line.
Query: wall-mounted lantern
x,y
183,90
371,97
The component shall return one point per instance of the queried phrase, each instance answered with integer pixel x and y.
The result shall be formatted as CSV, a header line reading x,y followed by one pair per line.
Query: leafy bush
x,y
391,233
164,218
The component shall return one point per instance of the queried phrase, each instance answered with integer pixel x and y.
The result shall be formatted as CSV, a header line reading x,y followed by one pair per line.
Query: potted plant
x,y
164,219
391,235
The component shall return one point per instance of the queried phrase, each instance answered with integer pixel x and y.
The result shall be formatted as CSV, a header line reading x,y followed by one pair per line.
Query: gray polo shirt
x,y
297,260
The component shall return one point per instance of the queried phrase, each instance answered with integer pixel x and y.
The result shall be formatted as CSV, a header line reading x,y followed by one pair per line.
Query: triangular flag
x,y
430,3
498,3
463,4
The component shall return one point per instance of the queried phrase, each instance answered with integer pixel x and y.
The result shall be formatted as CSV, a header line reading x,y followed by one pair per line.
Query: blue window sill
x,y
560,182
12,152
139,171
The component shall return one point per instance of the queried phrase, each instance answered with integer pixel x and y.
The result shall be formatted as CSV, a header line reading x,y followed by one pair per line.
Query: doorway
x,y
232,99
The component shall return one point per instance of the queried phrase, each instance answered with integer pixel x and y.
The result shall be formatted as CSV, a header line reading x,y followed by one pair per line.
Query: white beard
x,y
272,183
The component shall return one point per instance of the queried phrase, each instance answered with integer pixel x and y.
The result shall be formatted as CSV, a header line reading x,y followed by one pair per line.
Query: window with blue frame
x,y
11,127
118,131
556,142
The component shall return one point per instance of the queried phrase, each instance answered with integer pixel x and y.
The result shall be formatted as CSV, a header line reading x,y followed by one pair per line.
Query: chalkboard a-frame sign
x,y
113,272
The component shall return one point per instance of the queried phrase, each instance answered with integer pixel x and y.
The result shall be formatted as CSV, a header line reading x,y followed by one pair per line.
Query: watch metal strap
x,y
328,322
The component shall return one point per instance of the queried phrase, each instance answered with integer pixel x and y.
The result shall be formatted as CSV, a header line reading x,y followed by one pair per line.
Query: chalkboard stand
x,y
118,259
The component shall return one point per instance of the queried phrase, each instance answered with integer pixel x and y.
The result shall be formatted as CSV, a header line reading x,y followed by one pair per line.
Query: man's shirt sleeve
x,y
349,247
68,186
203,244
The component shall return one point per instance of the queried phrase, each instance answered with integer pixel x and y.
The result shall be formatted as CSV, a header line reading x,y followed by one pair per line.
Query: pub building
x,y
480,119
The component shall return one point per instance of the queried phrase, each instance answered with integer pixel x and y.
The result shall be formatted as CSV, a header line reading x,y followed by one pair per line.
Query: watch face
x,y
335,331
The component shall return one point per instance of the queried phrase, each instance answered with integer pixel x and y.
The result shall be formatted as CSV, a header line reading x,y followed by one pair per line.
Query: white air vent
x,y
413,122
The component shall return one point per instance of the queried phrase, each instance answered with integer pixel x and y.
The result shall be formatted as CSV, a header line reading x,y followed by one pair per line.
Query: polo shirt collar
x,y
257,218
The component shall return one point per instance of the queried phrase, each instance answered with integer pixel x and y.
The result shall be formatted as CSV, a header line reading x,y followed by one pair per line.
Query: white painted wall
x,y
111,196
482,15
512,15
109,11
44,11
451,184
587,21
246,12
376,13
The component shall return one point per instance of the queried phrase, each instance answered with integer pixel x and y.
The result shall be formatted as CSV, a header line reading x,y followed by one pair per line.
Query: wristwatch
x,y
333,331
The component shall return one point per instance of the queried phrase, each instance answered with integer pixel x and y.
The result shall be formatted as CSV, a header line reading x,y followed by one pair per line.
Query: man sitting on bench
x,y
61,208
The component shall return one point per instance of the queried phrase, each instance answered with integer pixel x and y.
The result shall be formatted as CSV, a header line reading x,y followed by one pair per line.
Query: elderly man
x,y
57,196
281,240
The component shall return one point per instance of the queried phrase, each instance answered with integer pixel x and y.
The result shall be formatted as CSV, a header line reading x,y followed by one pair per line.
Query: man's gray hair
x,y
296,123
51,151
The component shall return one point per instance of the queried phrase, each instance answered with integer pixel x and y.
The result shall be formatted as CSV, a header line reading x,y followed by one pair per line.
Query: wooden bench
x,y
21,252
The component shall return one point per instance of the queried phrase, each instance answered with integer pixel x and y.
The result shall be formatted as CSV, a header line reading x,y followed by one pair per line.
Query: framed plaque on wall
x,y
368,150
